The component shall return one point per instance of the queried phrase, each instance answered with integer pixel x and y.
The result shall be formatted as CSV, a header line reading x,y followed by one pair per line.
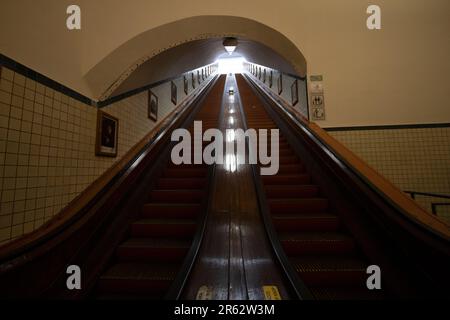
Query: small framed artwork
x,y
264,76
185,83
107,135
173,92
270,78
152,111
294,92
198,76
280,84
193,80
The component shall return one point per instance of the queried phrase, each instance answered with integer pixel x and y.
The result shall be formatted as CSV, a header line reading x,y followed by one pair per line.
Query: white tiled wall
x,y
416,159
47,146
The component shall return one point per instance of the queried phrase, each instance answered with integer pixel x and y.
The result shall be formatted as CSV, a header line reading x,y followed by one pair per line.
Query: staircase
x,y
147,262
324,255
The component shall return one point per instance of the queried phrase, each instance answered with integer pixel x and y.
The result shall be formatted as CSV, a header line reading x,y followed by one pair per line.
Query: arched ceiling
x,y
199,38
195,54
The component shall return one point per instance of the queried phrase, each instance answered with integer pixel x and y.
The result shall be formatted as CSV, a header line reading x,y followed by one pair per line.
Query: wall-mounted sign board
x,y
317,100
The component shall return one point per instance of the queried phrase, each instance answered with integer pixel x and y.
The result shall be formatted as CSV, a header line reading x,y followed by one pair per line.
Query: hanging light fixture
x,y
230,44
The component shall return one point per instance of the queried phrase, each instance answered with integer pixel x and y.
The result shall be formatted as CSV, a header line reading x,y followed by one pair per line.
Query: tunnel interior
x,y
194,54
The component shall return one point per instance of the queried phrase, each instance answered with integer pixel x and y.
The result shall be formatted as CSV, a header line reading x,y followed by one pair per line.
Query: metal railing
x,y
434,205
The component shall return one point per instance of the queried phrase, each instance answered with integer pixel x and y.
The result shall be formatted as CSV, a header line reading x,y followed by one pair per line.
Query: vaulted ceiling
x,y
197,53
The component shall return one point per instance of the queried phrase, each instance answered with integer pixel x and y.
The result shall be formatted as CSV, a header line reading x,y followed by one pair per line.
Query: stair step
x,y
185,172
138,278
300,243
171,210
172,165
184,196
305,222
291,168
179,228
181,183
289,160
291,191
285,206
330,271
346,293
287,179
153,249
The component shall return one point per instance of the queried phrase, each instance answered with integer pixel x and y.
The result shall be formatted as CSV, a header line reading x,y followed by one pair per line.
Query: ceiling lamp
x,y
230,44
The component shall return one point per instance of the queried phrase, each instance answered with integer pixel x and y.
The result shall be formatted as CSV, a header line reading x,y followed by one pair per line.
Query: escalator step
x,y
179,228
287,179
305,222
137,278
284,206
289,160
291,169
300,243
185,173
171,210
291,191
346,293
330,271
185,196
180,183
153,249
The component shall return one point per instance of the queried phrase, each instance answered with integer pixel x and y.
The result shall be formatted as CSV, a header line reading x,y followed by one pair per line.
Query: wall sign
x,y
317,100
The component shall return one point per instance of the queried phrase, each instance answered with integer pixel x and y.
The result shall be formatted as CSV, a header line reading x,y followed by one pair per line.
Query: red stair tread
x,y
306,221
314,242
181,183
287,179
165,221
295,191
297,205
185,172
138,278
171,211
153,249
346,293
156,243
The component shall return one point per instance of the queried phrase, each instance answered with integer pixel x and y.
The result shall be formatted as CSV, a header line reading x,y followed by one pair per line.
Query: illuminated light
x,y
230,135
230,49
230,44
231,65
230,163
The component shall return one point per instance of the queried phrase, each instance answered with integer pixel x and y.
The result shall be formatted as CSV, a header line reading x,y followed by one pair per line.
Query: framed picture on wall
x,y
264,76
280,84
152,109
198,76
173,92
193,80
270,78
107,135
259,73
185,83
294,92
203,74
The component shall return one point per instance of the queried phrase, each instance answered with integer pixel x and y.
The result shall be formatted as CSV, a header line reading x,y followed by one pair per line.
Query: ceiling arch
x,y
185,44
194,54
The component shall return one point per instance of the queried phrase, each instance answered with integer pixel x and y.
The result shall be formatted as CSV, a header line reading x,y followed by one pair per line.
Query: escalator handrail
x,y
441,234
299,287
12,255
